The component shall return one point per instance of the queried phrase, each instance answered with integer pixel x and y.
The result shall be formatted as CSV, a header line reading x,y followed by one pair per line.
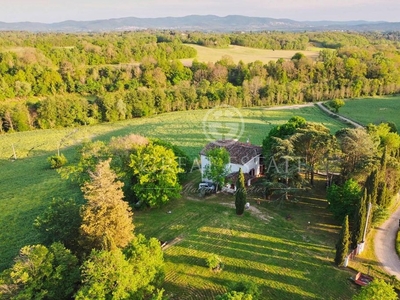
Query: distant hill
x,y
201,23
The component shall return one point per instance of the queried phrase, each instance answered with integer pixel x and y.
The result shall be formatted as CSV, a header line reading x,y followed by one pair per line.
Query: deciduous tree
x,y
343,200
377,290
156,170
336,104
217,169
130,274
41,273
60,222
105,275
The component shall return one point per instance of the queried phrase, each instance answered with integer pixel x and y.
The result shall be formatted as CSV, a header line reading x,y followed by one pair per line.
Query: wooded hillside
x,y
52,80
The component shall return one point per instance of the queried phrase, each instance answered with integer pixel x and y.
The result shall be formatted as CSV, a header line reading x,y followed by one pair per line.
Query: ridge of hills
x,y
200,23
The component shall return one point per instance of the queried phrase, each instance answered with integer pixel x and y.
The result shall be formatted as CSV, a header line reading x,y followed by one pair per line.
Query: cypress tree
x,y
381,191
385,200
384,160
380,199
240,196
359,221
368,222
372,184
342,246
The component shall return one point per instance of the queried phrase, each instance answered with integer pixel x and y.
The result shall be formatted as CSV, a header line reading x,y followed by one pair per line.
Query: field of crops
x,y
246,54
373,110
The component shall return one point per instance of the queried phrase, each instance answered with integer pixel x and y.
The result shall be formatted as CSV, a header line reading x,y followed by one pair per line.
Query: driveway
x,y
322,107
384,243
343,119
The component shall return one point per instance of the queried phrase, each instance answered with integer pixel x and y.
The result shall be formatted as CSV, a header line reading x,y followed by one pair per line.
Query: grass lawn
x,y
373,110
246,54
287,261
286,258
185,129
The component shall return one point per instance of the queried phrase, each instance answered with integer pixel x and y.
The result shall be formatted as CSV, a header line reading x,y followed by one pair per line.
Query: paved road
x,y
384,242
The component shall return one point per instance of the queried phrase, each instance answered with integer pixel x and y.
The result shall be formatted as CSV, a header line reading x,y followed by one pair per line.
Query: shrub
x,y
57,161
377,289
343,199
398,243
335,104
248,288
380,215
233,295
242,290
213,262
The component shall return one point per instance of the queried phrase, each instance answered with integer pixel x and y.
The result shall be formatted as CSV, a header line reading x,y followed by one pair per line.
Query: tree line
x,y
92,78
59,80
278,40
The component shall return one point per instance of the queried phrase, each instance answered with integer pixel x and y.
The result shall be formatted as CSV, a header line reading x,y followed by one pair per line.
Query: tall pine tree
x,y
342,246
106,218
359,221
240,196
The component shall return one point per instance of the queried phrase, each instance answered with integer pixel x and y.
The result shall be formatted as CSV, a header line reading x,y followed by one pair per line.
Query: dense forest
x,y
50,80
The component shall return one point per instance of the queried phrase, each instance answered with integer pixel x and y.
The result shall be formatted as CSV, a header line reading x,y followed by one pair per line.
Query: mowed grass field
x,y
284,259
190,130
373,110
246,54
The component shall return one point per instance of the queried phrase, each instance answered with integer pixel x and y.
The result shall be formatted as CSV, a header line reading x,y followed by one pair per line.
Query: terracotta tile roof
x,y
239,152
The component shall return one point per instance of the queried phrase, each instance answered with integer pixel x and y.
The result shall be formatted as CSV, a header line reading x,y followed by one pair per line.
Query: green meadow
x,y
287,259
373,110
185,129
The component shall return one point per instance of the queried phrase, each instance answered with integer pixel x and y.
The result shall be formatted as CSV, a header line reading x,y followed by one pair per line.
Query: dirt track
x,y
295,106
323,108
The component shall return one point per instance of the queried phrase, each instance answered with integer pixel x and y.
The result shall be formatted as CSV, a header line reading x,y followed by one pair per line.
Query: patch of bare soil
x,y
255,211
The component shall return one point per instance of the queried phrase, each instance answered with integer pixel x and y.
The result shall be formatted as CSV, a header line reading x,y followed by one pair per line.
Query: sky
x,y
49,11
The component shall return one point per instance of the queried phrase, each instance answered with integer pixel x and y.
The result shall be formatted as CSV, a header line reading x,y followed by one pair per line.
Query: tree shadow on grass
x,y
366,261
209,286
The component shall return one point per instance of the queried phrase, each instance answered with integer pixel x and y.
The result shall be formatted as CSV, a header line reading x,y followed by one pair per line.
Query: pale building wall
x,y
253,163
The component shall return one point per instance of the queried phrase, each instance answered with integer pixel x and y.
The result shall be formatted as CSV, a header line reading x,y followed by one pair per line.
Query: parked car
x,y
206,187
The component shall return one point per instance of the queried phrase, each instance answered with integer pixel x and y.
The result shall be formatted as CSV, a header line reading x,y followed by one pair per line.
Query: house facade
x,y
243,156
